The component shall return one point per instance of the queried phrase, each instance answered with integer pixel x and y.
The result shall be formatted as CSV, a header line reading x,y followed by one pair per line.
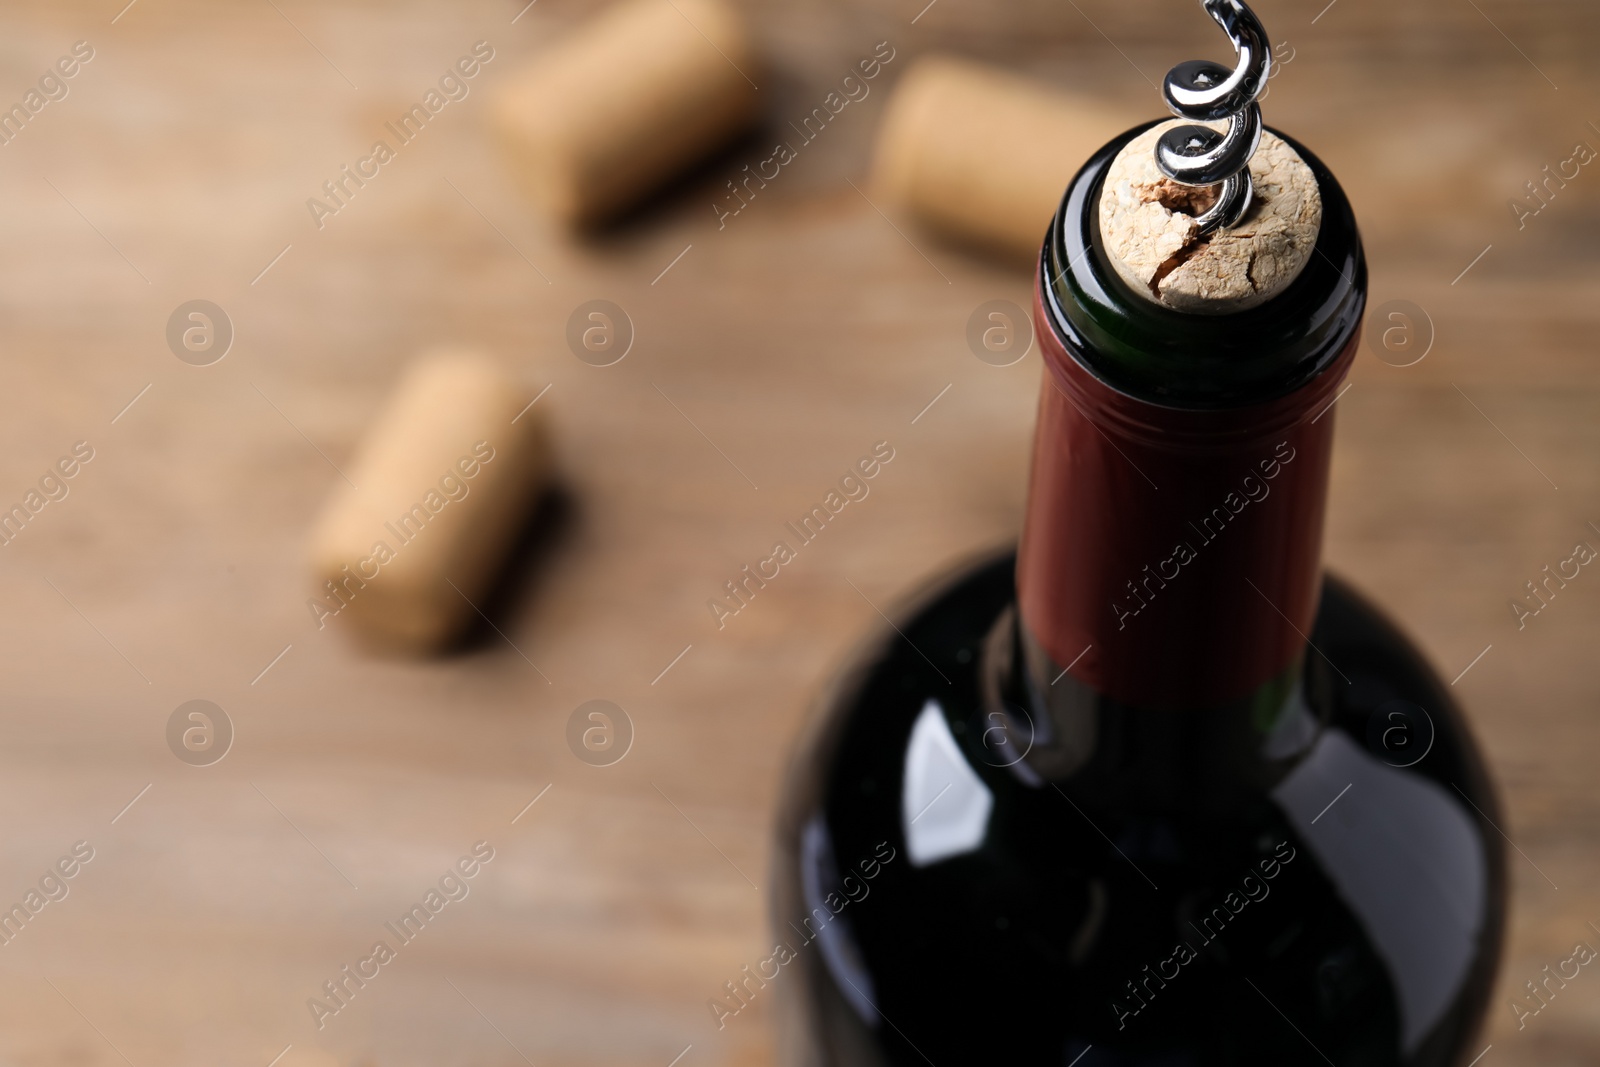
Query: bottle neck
x,y
1166,591
1170,557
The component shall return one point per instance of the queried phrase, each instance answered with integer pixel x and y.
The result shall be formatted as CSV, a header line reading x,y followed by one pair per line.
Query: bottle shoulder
x,y
1362,884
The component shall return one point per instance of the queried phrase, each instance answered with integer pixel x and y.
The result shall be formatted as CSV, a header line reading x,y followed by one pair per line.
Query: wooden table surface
x,y
770,356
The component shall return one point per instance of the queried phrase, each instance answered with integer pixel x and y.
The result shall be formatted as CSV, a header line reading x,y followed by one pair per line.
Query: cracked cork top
x,y
1147,224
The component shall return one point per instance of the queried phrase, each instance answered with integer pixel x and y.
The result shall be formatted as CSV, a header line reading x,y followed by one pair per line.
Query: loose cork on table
x,y
625,102
1147,221
983,154
408,545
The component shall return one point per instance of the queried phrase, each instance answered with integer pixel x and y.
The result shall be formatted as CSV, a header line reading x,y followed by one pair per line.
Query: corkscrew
x,y
1203,91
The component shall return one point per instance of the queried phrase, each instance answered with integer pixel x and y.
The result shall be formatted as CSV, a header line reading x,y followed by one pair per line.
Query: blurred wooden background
x,y
178,168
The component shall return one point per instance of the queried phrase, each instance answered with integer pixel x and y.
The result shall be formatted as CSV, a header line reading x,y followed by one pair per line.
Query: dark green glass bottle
x,y
1151,790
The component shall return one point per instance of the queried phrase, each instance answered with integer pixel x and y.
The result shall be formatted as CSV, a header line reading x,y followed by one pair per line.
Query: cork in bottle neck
x,y
1147,225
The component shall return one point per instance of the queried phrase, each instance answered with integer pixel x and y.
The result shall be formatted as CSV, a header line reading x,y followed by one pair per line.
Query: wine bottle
x,y
1151,789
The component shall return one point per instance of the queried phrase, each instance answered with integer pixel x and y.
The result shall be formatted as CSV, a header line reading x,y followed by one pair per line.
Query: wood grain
x,y
769,356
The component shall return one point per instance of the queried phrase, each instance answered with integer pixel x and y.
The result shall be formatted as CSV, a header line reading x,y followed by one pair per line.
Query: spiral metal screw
x,y
1202,91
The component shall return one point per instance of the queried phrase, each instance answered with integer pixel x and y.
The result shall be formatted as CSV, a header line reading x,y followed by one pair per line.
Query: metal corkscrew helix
x,y
1209,92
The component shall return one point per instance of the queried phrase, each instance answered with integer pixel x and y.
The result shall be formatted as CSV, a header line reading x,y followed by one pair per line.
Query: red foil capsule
x,y
1172,556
